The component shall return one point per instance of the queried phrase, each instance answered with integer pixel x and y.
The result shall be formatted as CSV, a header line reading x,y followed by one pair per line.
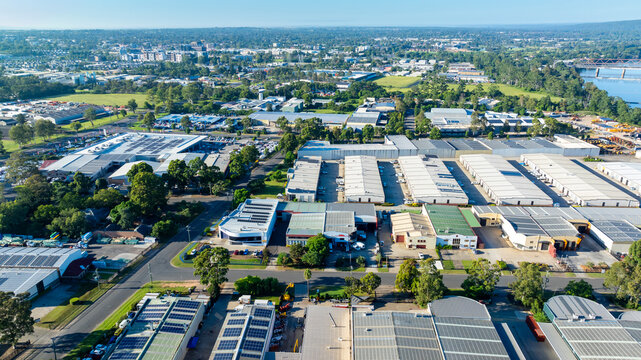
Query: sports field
x,y
397,82
103,99
510,90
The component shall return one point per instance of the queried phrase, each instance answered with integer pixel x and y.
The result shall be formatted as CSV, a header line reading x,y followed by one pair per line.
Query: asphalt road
x,y
157,263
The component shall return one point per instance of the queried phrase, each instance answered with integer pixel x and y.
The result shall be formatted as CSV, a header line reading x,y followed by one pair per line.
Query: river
x,y
628,90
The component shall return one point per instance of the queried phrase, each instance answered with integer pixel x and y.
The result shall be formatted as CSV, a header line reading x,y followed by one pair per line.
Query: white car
x,y
422,256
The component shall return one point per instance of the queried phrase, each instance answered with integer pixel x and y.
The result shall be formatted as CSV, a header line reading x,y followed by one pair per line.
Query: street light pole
x,y
53,345
188,232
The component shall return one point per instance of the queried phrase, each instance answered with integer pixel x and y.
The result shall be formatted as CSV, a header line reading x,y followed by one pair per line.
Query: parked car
x,y
422,256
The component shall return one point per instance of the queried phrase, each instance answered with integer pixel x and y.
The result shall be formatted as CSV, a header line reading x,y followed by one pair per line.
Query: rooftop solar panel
x,y
232,332
256,322
257,333
137,342
252,345
224,356
227,344
236,322
263,313
186,317
123,356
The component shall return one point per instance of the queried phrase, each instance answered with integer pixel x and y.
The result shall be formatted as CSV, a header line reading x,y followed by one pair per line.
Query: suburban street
x,y
156,267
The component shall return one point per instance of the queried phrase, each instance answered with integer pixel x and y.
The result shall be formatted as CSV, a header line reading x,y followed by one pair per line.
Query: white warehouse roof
x,y
362,180
628,173
580,184
503,182
303,177
429,181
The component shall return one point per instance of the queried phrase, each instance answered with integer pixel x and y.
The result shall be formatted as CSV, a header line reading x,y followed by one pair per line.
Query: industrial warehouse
x,y
399,145
108,155
31,271
162,328
251,223
430,182
245,334
303,179
627,173
362,180
581,185
436,225
503,182
583,329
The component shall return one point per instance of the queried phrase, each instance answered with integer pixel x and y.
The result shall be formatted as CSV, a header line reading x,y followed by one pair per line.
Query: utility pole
x,y
149,270
188,232
53,345
351,267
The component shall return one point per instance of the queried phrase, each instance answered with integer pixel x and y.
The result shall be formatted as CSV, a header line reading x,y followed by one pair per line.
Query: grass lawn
x,y
595,275
383,269
274,299
453,272
411,211
251,263
397,82
62,315
448,264
102,332
331,291
467,264
271,190
510,90
103,99
326,111
179,260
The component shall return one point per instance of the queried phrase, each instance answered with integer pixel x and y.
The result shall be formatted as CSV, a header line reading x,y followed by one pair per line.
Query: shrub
x,y
501,264
284,259
360,261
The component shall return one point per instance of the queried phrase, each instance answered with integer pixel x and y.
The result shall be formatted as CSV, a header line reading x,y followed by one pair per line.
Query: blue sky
x,y
113,14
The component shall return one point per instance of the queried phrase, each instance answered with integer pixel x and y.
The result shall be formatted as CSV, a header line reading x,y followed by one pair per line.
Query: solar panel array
x,y
244,329
227,344
133,342
224,356
264,313
253,345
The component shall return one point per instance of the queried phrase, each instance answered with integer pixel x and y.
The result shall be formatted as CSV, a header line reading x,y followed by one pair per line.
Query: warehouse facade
x,y
627,173
362,180
302,179
503,182
576,182
251,223
429,181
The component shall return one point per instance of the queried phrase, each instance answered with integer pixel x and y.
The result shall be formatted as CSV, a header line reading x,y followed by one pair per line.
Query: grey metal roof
x,y
432,144
394,335
565,307
358,209
291,117
469,339
400,141
341,221
22,280
467,144
600,339
301,207
619,231
525,225
328,325
459,306
632,215
306,224
568,213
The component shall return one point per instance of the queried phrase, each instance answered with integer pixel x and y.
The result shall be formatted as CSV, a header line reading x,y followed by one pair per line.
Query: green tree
x,y
579,288
138,168
148,193
212,266
528,287
368,132
406,276
164,230
21,134
370,282
249,285
307,274
125,214
288,143
178,174
70,222
20,167
296,252
132,105
15,318
634,253
123,113
490,135
352,286
185,123
481,280
318,244
90,114
240,195
34,191
76,126
149,120
435,133
107,198
282,123
21,119
428,286
44,128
